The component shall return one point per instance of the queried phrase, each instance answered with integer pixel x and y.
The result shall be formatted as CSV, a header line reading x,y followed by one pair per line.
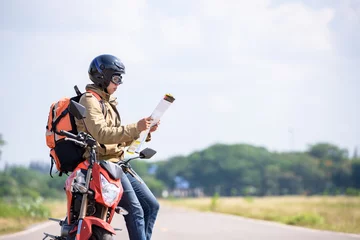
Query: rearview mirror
x,y
147,153
76,109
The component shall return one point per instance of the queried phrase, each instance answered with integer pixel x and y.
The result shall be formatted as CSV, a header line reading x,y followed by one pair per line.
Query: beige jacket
x,y
105,128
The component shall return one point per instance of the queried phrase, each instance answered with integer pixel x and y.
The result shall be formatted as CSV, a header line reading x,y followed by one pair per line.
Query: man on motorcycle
x,y
103,122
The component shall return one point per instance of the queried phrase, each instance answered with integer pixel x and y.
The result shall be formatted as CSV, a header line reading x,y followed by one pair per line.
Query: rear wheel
x,y
99,233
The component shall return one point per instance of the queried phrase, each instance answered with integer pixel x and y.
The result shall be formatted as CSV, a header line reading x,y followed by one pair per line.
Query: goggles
x,y
116,79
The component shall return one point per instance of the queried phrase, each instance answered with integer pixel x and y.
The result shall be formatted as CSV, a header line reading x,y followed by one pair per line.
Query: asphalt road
x,y
180,224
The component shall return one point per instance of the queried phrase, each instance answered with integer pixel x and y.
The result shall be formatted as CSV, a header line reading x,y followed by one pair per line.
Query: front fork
x,y
84,202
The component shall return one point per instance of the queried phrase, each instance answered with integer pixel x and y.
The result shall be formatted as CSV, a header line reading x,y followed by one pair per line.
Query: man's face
x,y
112,88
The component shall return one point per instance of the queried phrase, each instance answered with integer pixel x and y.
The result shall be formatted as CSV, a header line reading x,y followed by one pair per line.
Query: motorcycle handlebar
x,y
81,144
82,139
68,134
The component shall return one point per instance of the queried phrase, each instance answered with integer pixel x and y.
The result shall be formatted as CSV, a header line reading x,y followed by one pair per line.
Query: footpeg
x,y
52,237
122,211
57,220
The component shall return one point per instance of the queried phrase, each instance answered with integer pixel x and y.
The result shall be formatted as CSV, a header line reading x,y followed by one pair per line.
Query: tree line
x,y
241,169
226,170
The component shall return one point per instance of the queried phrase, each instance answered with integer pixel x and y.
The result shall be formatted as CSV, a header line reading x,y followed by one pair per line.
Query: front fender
x,y
86,227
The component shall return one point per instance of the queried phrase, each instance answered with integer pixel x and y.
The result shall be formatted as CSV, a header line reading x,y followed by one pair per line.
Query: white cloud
x,y
181,32
287,30
221,104
344,29
254,28
75,16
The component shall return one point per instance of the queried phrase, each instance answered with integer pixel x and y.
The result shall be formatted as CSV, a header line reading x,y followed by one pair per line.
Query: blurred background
x,y
267,94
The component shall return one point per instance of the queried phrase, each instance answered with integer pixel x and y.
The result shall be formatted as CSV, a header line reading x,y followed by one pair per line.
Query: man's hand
x,y
143,124
155,127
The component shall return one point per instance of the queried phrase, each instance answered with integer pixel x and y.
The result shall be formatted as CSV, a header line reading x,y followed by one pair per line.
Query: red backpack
x,y
65,154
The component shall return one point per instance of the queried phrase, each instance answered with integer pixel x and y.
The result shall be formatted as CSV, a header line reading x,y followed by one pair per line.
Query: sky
x,y
280,74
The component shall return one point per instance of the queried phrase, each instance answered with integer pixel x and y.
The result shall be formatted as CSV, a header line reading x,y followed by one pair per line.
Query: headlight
x,y
109,191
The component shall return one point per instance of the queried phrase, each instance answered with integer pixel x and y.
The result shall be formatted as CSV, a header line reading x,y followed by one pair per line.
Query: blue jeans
x,y
142,206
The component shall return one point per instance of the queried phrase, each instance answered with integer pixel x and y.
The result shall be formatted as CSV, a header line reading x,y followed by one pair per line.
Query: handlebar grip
x,y
68,134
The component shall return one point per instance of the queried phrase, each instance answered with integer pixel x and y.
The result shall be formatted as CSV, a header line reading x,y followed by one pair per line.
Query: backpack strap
x,y
103,107
101,101
57,120
51,167
77,90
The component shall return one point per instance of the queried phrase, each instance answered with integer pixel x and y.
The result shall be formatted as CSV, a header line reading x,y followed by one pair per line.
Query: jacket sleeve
x,y
98,128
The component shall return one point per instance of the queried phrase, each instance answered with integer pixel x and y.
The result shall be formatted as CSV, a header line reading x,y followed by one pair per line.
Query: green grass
x,y
17,215
327,213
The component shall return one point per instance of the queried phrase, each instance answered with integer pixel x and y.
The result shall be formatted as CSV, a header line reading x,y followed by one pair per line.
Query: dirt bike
x,y
93,191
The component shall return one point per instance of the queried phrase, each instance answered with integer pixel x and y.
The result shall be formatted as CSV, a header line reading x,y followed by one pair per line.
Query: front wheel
x,y
99,233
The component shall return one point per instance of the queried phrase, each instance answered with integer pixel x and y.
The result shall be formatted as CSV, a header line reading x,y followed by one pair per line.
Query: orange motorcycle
x,y
93,191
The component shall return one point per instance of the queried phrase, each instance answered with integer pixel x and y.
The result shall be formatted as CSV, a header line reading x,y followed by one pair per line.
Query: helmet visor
x,y
116,79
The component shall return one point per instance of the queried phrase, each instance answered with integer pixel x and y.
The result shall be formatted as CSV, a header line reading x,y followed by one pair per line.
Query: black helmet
x,y
103,68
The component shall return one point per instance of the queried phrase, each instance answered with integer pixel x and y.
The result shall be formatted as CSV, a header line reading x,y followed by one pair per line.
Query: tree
x,y
356,173
355,156
2,142
326,151
39,166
